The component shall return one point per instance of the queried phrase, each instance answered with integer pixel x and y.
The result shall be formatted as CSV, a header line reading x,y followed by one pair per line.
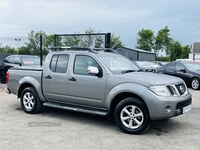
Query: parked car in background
x,y
17,60
145,66
189,71
2,72
161,63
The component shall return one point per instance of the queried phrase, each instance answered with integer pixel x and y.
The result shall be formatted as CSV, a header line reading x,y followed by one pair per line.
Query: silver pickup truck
x,y
102,83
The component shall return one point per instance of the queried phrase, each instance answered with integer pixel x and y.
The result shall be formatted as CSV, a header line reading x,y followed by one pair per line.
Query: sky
x,y
122,18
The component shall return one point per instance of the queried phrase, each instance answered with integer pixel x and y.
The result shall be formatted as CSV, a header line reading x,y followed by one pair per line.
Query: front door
x,y
84,88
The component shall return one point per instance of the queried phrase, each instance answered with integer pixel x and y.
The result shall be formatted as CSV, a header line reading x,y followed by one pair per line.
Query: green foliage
x,y
8,49
185,51
175,50
34,42
145,39
162,41
115,42
50,41
72,40
24,50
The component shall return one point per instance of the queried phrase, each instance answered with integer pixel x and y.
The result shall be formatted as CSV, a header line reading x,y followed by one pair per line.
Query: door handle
x,y
48,77
72,79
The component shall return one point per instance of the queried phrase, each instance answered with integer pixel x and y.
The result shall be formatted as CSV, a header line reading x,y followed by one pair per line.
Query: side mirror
x,y
93,70
183,70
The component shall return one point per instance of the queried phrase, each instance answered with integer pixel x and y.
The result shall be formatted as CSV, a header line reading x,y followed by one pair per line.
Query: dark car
x,y
189,71
145,66
2,72
18,60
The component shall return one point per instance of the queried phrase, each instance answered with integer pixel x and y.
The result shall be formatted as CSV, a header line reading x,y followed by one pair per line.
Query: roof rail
x,y
110,50
68,48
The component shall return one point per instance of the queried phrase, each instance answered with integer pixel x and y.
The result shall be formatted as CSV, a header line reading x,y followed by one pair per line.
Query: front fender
x,y
27,82
134,88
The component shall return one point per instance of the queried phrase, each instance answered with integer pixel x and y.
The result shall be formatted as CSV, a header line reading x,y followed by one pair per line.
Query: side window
x,y
179,67
82,63
170,67
9,60
59,63
53,63
17,60
62,63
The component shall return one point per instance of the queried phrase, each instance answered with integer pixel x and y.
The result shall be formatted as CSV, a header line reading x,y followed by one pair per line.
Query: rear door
x,y
84,88
55,78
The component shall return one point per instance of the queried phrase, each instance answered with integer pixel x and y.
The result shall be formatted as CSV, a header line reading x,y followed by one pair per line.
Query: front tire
x,y
131,116
195,84
30,102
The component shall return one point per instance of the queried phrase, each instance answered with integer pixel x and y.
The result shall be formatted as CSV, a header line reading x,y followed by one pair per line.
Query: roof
x,y
139,50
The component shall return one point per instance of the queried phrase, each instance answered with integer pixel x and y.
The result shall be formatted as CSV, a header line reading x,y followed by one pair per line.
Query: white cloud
x,y
123,18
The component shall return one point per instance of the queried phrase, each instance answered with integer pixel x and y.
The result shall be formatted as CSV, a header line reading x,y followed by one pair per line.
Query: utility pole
x,y
17,43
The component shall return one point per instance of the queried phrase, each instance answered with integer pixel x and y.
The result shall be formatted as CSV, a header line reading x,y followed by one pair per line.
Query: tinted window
x,y
9,60
82,63
170,66
59,63
62,63
179,66
30,60
17,60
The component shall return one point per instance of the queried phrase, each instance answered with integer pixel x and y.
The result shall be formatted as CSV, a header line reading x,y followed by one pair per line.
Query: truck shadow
x,y
157,128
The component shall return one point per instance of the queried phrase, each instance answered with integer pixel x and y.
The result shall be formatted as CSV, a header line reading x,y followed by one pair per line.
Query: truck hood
x,y
149,78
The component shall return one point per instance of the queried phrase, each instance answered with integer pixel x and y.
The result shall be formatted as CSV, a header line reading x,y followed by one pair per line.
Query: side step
x,y
77,109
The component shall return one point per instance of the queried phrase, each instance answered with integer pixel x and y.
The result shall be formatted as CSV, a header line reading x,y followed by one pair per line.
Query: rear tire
x,y
30,102
195,84
131,116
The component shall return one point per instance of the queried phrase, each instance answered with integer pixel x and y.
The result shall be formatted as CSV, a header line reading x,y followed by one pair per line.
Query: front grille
x,y
181,88
171,90
177,89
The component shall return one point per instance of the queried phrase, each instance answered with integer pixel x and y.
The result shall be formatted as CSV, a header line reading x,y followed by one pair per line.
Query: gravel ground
x,y
60,129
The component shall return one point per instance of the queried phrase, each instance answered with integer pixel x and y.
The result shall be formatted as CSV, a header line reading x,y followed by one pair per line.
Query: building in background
x,y
195,55
136,54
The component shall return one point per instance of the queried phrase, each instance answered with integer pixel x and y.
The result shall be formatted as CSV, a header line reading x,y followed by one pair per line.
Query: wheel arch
x,y
30,82
119,97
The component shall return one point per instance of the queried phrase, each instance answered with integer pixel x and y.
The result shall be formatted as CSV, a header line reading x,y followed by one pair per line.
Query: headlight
x,y
160,90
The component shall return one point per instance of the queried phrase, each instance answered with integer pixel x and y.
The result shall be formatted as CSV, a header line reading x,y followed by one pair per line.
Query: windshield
x,y
27,61
193,66
117,63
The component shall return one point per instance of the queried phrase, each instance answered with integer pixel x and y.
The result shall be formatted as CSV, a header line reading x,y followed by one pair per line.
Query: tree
x,y
72,40
8,49
96,41
145,40
34,42
50,41
115,42
185,51
24,50
175,50
162,41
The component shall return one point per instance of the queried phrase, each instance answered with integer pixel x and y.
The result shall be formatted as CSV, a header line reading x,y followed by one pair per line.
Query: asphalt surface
x,y
61,129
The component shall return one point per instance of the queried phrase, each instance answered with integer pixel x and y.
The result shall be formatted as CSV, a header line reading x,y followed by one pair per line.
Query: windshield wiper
x,y
127,71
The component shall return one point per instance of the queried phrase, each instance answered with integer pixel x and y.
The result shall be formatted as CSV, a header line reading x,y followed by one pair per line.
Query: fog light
x,y
167,109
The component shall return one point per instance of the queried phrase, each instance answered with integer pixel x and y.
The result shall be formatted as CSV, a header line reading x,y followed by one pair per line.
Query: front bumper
x,y
166,107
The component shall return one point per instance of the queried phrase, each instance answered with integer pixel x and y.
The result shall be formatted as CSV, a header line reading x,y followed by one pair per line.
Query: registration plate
x,y
186,109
